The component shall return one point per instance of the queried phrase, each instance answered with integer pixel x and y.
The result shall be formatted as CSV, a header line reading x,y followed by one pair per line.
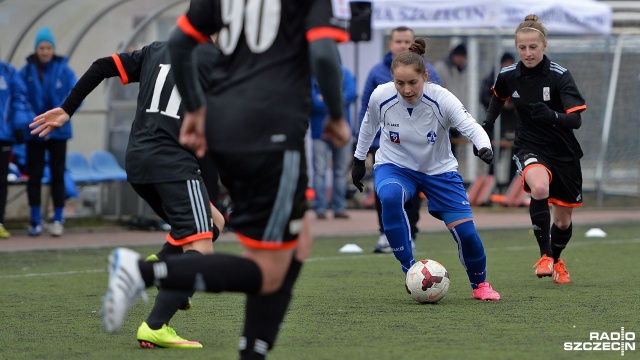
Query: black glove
x,y
485,154
357,173
18,135
541,112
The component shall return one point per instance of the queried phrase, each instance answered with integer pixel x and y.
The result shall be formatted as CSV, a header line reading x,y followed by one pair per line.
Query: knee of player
x,y
539,190
282,283
562,223
391,195
270,284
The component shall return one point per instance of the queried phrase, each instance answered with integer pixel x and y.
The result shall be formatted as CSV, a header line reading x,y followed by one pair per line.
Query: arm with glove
x,y
540,112
368,130
470,128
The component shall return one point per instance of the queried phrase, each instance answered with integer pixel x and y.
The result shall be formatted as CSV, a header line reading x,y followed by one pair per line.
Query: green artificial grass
x,y
346,306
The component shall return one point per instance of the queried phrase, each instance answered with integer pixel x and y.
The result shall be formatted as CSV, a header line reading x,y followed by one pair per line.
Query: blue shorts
x,y
445,192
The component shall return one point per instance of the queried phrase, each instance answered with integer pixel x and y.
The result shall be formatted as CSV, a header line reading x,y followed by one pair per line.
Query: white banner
x,y
388,14
579,17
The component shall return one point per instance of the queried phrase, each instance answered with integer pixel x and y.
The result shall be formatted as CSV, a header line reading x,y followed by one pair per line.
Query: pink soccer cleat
x,y
485,292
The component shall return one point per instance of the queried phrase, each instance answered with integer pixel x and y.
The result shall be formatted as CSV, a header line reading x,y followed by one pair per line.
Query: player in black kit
x,y
256,119
164,173
546,150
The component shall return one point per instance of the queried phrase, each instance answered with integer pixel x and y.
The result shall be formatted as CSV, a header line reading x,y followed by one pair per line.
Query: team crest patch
x,y
546,93
394,136
431,137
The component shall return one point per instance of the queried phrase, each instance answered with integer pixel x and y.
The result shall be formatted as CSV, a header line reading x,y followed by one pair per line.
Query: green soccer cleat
x,y
165,337
4,234
152,257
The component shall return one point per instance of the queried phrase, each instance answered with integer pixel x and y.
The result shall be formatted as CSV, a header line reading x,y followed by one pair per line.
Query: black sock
x,y
541,221
264,315
559,240
146,271
168,302
210,273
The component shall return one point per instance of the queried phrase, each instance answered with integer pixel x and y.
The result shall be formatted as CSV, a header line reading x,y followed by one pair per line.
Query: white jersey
x,y
416,136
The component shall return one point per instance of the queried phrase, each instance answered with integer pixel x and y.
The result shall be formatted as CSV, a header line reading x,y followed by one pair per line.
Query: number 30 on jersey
x,y
260,20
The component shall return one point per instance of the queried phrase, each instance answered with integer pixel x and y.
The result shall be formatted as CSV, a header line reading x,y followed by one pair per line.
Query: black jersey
x,y
154,153
265,55
554,86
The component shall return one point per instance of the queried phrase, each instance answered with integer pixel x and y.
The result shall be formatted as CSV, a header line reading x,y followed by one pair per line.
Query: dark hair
x,y
531,24
461,49
400,29
413,56
507,56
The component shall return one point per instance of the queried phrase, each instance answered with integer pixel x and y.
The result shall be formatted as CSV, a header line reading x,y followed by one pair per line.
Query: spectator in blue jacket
x,y
49,80
14,111
321,149
399,41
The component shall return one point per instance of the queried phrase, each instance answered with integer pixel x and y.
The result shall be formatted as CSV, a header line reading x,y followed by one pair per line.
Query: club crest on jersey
x,y
546,93
431,137
394,136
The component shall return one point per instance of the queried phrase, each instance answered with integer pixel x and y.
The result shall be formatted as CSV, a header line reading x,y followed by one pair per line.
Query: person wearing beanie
x,y
44,34
49,79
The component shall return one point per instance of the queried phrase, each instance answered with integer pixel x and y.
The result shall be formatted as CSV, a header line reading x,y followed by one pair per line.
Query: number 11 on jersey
x,y
173,105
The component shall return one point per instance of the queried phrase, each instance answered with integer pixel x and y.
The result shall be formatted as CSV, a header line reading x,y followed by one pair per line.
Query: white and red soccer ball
x,y
427,281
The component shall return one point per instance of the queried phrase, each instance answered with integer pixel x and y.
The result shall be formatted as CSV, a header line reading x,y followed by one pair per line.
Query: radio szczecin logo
x,y
605,341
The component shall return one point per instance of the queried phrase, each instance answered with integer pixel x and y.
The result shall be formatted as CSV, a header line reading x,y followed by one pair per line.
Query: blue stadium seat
x,y
105,164
80,170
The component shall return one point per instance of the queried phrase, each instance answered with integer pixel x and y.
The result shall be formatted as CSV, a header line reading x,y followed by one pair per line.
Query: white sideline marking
x,y
492,249
359,257
52,274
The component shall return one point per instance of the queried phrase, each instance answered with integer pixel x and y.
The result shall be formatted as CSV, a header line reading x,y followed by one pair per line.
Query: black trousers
x,y
36,160
5,154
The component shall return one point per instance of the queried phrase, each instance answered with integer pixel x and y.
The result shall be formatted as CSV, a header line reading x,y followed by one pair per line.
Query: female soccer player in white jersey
x,y
415,155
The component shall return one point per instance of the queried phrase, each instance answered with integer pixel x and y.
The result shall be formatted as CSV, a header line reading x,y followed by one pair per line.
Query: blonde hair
x,y
530,24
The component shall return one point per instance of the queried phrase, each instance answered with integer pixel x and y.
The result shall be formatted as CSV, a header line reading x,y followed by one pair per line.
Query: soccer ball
x,y
427,281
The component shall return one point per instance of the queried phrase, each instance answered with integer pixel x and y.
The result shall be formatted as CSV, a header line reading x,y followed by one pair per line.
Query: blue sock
x,y
36,215
57,214
396,224
471,252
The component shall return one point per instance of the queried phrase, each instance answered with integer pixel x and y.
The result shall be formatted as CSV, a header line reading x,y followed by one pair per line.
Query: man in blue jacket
x,y
321,149
399,41
49,80
14,110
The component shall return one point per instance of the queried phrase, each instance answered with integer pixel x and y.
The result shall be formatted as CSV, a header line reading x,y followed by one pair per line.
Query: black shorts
x,y
267,193
565,188
184,205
